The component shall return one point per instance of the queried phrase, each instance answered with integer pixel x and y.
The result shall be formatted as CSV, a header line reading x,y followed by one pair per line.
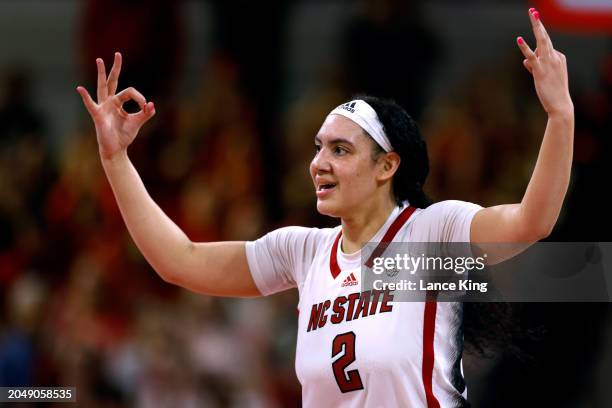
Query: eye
x,y
340,151
317,148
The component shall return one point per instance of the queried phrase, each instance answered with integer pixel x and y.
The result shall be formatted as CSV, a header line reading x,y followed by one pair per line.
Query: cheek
x,y
311,169
354,183
359,182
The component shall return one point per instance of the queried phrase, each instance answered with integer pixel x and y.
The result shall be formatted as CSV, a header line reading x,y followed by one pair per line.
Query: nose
x,y
320,162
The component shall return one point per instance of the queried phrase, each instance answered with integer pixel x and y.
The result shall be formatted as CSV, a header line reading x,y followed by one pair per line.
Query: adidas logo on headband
x,y
365,116
349,106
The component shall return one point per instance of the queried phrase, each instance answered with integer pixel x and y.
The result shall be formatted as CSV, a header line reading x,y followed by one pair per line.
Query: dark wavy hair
x,y
405,137
488,327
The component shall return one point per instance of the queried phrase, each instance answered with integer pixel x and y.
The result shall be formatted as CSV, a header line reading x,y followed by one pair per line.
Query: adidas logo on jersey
x,y
350,281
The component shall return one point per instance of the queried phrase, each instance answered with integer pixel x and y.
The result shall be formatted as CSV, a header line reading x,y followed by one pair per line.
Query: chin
x,y
329,209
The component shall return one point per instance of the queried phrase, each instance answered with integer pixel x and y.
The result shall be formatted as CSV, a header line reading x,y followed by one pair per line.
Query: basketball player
x,y
354,348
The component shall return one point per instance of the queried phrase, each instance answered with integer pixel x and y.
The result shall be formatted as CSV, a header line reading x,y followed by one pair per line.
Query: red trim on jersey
x,y
333,260
390,234
388,237
429,329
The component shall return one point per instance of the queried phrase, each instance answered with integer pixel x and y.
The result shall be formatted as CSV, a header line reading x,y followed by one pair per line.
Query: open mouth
x,y
324,187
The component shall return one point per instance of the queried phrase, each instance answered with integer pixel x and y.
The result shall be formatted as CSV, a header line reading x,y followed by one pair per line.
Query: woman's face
x,y
342,170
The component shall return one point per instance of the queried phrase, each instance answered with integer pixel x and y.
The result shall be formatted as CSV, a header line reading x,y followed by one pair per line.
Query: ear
x,y
388,164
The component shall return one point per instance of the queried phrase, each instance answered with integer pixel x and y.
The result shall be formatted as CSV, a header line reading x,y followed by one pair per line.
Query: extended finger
x,y
113,77
131,93
87,101
102,90
526,50
542,39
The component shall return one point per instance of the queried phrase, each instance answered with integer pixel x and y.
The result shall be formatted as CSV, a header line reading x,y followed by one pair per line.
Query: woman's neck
x,y
360,228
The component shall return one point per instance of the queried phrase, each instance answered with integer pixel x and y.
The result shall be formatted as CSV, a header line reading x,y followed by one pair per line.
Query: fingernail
x,y
536,14
531,10
520,40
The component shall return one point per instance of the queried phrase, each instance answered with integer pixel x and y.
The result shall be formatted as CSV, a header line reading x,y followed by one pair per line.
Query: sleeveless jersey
x,y
362,349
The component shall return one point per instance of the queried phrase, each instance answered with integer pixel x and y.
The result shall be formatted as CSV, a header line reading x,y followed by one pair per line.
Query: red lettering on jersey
x,y
363,305
315,316
350,308
374,302
338,315
323,318
352,298
385,307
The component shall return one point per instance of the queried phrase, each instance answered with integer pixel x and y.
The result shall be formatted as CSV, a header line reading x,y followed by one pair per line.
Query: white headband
x,y
365,116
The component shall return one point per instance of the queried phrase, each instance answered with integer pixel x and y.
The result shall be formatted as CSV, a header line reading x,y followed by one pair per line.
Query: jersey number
x,y
350,380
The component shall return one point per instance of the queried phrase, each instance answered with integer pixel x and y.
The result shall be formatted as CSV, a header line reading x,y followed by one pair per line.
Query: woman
x,y
354,348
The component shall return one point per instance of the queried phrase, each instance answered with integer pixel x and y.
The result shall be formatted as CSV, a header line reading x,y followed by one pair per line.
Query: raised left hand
x,y
549,69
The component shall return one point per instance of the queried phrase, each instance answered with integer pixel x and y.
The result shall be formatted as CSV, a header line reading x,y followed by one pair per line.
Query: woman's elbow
x,y
537,232
170,270
166,275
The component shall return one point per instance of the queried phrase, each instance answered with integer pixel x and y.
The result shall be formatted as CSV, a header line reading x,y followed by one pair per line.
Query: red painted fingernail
x,y
531,10
520,40
536,14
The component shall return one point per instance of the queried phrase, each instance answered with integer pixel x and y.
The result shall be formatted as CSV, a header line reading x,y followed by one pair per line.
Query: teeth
x,y
326,186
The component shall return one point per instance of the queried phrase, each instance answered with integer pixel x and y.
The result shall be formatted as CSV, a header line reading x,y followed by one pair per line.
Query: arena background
x,y
240,90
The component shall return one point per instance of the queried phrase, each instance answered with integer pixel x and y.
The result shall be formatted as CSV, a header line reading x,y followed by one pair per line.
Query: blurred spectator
x,y
302,122
217,159
26,172
390,52
482,151
151,37
18,117
253,36
19,351
149,34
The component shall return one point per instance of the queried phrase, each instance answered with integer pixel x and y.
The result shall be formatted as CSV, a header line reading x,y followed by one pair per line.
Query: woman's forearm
x,y
541,204
159,239
169,251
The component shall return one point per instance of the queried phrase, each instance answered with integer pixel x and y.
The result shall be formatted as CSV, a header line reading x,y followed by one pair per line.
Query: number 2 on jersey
x,y
350,380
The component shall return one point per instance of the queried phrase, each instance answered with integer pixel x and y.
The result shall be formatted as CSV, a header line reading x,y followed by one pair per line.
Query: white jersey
x,y
361,349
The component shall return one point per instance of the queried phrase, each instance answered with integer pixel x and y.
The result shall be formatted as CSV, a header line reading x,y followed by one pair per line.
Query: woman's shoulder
x,y
301,234
444,221
441,212
446,207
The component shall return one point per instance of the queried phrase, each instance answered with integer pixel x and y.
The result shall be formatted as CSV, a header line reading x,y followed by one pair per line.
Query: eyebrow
x,y
335,141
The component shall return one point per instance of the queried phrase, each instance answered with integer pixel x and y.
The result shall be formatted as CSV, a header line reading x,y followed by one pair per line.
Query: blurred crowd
x,y
227,160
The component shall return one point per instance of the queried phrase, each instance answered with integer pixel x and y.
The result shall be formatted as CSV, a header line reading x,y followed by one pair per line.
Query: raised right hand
x,y
115,128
